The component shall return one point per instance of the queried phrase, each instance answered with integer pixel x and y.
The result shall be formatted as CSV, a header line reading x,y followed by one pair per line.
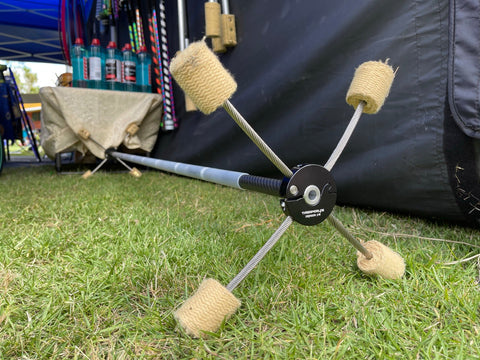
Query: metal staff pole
x,y
234,179
308,197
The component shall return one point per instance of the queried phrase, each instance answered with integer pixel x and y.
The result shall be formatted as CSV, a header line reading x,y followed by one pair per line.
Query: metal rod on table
x,y
183,43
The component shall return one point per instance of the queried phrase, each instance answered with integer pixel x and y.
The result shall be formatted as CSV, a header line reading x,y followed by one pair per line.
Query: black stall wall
x,y
293,64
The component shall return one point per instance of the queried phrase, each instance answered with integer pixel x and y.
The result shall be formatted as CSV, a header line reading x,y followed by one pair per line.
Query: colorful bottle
x,y
144,70
113,67
79,64
96,64
129,68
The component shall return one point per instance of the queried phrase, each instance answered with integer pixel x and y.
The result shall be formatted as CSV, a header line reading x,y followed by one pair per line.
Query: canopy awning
x,y
29,31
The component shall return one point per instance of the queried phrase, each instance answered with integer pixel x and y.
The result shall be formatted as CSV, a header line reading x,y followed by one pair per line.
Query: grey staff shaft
x,y
238,180
217,176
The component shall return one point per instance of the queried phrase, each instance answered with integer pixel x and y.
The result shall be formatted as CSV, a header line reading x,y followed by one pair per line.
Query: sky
x,y
46,72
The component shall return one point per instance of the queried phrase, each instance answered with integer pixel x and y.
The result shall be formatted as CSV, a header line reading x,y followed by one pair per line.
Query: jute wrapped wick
x,y
206,309
371,84
203,78
385,262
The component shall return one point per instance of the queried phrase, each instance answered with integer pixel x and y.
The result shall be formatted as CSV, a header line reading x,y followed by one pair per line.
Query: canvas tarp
x,y
105,115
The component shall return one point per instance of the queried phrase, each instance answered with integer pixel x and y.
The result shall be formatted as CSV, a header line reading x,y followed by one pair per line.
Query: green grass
x,y
94,269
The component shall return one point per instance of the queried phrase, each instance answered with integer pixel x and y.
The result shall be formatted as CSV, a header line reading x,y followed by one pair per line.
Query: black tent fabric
x,y
293,64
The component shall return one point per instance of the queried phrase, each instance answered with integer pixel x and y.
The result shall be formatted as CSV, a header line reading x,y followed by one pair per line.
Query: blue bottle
x,y
96,65
129,68
144,82
113,67
79,64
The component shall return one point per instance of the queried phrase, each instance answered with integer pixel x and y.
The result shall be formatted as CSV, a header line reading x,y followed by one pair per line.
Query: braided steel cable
x,y
345,137
264,148
260,254
351,239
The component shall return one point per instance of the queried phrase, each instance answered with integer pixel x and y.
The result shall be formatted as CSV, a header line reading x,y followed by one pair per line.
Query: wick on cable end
x,y
385,262
84,134
135,172
207,309
132,129
371,83
87,174
202,77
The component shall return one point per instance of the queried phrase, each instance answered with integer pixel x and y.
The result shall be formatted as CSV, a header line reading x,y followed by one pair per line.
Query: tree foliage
x,y
26,79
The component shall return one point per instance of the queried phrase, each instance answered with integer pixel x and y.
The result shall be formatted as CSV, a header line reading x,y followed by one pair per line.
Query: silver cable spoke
x,y
99,166
345,137
260,254
264,148
342,230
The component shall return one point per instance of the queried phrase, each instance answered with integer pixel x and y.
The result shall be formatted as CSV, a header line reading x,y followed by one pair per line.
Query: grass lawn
x,y
94,269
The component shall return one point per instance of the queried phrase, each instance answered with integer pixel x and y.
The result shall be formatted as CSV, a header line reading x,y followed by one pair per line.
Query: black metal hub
x,y
310,194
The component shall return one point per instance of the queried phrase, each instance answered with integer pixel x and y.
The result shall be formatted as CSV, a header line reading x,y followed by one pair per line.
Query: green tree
x,y
25,78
